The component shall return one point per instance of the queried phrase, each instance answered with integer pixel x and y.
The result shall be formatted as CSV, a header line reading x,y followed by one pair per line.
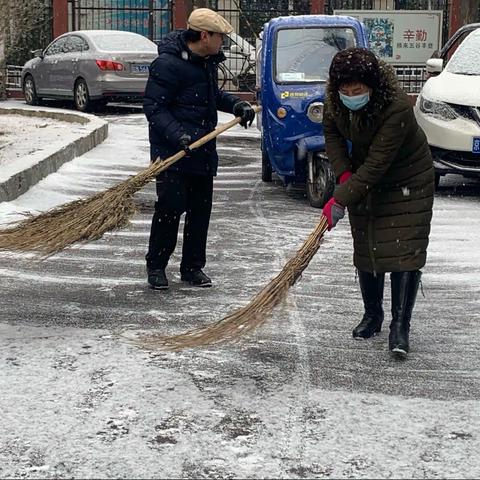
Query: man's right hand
x,y
244,110
184,142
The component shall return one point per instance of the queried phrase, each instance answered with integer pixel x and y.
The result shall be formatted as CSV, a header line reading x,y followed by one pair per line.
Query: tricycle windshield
x,y
303,55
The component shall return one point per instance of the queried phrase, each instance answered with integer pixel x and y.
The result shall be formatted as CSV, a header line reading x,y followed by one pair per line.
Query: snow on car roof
x,y
105,32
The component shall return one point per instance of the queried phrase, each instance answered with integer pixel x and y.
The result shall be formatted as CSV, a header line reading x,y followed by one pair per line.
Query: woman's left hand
x,y
334,212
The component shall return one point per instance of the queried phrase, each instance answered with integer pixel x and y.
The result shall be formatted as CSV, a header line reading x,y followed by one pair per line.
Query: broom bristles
x,y
245,319
81,220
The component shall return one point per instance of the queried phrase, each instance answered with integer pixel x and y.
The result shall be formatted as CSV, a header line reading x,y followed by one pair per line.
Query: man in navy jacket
x,y
181,102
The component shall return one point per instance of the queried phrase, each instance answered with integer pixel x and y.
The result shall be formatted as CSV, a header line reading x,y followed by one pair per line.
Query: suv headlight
x,y
437,109
315,112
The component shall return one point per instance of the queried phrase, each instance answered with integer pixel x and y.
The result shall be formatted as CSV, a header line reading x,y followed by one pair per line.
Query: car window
x,y
296,47
56,47
75,44
122,42
466,59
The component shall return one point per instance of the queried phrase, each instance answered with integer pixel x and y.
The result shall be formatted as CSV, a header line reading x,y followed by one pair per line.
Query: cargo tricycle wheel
x,y
266,167
321,189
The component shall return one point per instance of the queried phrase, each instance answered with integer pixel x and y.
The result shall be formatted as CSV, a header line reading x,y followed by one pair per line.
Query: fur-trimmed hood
x,y
381,98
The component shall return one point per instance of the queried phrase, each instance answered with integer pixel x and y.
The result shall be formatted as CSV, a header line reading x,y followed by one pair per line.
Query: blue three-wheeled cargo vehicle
x,y
293,62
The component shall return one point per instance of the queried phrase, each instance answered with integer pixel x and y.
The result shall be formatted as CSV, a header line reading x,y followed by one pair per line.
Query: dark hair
x,y
193,35
354,65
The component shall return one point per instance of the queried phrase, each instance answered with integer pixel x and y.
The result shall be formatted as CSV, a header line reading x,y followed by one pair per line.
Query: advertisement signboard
x,y
401,36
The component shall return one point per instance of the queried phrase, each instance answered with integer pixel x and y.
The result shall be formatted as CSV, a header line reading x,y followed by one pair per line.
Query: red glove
x,y
334,212
345,176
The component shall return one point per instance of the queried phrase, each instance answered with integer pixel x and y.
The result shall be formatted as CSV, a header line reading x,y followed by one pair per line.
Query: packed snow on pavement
x,y
298,399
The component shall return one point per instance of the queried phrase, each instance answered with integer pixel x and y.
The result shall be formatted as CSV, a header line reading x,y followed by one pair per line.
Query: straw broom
x,y
88,219
245,319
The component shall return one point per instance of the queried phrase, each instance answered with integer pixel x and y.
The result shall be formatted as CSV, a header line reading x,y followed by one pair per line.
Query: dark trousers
x,y
179,193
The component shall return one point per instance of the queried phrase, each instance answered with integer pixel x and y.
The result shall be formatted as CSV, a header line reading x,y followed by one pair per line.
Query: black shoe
x,y
157,279
196,278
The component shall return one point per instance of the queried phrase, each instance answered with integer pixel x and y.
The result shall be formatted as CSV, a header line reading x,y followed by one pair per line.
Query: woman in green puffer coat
x,y
385,170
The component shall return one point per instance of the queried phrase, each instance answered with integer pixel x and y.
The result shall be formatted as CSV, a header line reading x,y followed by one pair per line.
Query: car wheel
x,y
30,91
81,96
323,185
266,167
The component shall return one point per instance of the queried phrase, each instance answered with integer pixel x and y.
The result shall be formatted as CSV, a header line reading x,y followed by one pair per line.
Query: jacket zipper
x,y
210,80
370,228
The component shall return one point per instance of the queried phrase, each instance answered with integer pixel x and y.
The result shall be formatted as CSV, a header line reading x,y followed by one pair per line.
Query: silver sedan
x,y
91,67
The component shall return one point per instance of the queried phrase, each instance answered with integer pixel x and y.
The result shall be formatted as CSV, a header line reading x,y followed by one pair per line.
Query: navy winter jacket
x,y
182,97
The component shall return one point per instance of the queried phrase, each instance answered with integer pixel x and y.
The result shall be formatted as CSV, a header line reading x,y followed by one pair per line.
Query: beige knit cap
x,y
206,20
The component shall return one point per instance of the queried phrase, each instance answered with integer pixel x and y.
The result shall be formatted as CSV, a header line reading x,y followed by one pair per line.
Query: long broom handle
x,y
159,165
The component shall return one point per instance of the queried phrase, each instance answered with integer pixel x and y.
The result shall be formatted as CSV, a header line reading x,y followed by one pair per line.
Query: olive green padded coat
x,y
390,194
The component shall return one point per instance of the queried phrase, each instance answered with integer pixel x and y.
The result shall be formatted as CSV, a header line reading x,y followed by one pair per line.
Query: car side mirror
x,y
434,65
38,53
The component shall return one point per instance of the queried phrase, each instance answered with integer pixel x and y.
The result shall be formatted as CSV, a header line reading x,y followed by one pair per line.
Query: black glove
x,y
184,142
244,110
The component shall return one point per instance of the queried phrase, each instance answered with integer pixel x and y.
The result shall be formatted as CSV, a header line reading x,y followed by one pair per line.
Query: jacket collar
x,y
175,44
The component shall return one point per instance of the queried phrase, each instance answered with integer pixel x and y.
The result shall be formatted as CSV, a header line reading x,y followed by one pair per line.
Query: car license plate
x,y
476,145
140,68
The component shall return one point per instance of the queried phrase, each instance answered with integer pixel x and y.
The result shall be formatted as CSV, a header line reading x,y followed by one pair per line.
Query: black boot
x,y
404,293
371,286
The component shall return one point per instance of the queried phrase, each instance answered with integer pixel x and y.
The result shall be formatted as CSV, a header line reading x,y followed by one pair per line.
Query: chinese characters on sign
x,y
401,36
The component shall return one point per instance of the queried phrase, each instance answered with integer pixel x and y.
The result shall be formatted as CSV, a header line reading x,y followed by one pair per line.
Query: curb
x,y
21,181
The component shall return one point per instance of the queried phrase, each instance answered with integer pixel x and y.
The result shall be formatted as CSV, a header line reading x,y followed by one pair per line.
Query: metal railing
x,y
411,77
14,78
151,18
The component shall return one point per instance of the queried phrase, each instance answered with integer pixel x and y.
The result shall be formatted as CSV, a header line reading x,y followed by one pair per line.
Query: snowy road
x,y
300,399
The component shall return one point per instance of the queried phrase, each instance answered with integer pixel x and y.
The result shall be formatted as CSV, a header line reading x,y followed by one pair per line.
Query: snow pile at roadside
x,y
21,136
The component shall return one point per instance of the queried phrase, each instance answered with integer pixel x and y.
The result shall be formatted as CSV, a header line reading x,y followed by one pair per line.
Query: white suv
x,y
448,107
